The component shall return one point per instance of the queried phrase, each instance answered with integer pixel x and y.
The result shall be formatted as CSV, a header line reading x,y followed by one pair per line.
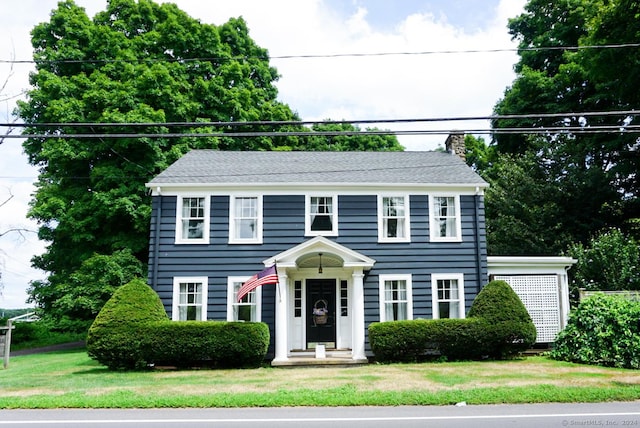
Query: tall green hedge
x,y
498,326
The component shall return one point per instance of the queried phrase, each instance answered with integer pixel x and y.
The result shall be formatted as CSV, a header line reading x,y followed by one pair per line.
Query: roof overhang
x,y
521,265
158,188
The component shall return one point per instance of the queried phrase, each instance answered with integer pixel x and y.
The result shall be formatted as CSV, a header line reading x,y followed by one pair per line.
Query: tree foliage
x,y
86,290
590,179
135,62
611,261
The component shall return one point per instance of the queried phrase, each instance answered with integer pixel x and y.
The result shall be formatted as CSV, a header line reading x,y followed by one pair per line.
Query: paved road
x,y
539,415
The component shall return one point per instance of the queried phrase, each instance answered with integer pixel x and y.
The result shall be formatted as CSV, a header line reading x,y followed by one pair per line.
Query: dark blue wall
x,y
284,228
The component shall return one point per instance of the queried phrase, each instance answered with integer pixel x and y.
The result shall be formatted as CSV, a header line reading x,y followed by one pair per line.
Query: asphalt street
x,y
534,415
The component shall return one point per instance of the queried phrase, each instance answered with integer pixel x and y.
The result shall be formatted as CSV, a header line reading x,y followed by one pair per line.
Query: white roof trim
x,y
497,265
172,189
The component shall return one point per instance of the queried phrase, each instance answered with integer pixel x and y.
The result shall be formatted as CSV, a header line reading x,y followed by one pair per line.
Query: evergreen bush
x,y
132,331
214,343
508,328
116,338
602,330
498,326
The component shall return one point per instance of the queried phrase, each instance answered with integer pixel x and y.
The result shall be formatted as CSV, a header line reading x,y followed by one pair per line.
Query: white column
x,y
357,316
282,326
564,299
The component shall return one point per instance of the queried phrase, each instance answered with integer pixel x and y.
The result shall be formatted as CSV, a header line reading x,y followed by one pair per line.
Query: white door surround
x,y
303,262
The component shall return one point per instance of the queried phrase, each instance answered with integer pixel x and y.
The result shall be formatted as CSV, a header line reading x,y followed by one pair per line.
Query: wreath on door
x,y
320,312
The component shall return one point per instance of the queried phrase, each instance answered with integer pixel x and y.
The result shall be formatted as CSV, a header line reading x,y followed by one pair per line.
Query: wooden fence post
x,y
6,336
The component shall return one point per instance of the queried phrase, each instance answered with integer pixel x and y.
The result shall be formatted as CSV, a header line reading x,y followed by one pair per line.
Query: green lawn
x,y
71,379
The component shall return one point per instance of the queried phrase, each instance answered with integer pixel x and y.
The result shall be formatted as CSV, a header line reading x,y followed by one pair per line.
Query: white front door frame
x,y
351,266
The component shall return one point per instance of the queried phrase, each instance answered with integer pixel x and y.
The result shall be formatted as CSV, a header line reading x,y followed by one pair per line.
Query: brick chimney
x,y
455,144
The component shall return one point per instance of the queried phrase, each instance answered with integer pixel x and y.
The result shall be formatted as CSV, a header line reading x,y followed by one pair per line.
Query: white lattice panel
x,y
540,295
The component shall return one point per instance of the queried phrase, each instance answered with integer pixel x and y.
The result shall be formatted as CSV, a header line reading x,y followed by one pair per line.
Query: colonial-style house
x,y
355,237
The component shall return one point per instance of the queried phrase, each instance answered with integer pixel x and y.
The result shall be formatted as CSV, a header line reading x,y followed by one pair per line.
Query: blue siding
x,y
283,228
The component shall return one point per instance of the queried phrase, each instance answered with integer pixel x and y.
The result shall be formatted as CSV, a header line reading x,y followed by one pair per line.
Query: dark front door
x,y
321,312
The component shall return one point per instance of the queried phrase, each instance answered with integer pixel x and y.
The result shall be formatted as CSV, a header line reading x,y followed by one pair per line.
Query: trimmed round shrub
x,y
508,329
602,330
116,337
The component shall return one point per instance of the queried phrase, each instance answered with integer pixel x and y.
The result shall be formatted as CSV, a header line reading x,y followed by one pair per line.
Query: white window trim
x,y
434,237
434,292
232,222
177,280
395,277
407,219
231,301
207,220
334,215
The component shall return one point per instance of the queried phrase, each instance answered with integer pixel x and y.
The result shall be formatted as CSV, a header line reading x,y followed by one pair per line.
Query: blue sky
x,y
384,14
374,87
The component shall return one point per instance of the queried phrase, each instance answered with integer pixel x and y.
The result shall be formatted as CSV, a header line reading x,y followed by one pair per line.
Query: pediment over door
x,y
309,253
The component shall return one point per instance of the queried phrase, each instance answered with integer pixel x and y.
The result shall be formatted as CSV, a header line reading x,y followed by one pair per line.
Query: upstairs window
x,y
393,219
444,218
395,298
245,219
448,295
192,222
321,215
190,299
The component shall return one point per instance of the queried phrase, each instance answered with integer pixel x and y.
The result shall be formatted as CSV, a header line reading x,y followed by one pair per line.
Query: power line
x,y
325,56
624,113
603,129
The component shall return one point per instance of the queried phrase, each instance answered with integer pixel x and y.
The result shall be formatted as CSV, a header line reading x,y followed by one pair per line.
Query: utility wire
x,y
624,113
326,56
603,129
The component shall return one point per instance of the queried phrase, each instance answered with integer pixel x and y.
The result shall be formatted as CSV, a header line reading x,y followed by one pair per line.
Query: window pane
x,y
393,220
321,211
445,216
448,298
246,229
449,309
245,309
190,304
193,218
396,311
444,308
246,218
395,296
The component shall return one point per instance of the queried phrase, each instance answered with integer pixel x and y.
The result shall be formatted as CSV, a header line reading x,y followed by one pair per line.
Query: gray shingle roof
x,y
244,167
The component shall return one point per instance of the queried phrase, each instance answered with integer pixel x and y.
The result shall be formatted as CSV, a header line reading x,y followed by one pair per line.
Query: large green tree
x,y
136,62
593,174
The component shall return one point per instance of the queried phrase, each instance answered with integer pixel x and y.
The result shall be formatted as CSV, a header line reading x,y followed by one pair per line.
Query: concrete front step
x,y
315,359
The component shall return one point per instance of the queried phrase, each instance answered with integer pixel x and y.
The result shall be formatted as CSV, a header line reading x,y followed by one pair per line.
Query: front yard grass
x,y
71,379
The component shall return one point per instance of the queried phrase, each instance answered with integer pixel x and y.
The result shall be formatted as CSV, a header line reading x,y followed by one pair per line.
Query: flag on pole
x,y
267,276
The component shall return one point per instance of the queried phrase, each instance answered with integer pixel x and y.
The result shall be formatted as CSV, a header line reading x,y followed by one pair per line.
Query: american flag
x,y
267,276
